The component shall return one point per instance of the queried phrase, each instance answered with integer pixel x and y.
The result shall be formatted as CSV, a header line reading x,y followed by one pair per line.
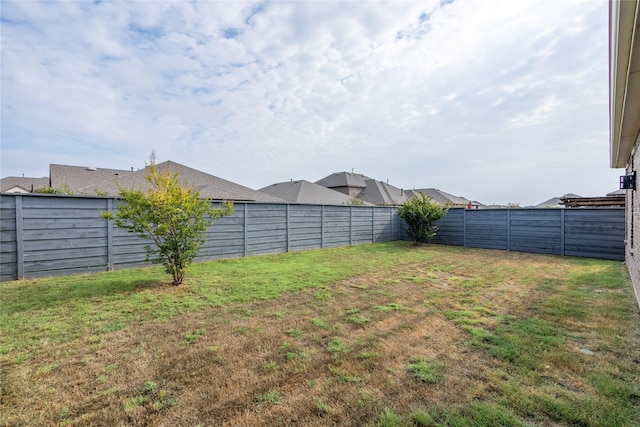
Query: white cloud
x,y
499,101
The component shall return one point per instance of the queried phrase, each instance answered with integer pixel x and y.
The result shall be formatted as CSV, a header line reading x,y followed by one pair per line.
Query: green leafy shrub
x,y
420,213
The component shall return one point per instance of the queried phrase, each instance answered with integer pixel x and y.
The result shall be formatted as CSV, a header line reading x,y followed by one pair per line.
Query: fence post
x,y
19,238
562,211
109,237
246,221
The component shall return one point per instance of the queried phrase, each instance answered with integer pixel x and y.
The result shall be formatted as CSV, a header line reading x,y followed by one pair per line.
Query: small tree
x,y
172,216
420,213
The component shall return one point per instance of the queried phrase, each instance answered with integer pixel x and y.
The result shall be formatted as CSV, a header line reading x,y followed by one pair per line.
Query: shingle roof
x,y
343,179
556,202
381,193
82,179
209,186
27,184
440,196
306,192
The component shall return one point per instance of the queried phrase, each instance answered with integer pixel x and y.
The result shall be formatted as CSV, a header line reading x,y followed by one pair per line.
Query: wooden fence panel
x,y
536,230
78,248
305,227
451,228
225,237
594,233
383,225
487,229
362,225
8,239
266,229
336,226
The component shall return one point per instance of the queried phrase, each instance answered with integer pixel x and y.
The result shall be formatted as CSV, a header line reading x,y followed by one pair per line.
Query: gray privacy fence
x,y
585,232
47,235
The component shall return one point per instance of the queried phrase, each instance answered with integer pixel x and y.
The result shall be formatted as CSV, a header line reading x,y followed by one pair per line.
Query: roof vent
x,y
92,169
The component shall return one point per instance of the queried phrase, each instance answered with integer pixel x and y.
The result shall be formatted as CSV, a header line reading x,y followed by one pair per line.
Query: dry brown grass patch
x,y
272,362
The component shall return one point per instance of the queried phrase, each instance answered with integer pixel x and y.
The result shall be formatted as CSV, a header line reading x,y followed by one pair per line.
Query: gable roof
x,y
441,197
380,193
79,178
306,192
208,186
556,202
617,193
344,179
22,184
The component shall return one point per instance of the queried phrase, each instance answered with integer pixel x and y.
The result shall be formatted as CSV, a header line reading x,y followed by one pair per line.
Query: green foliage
x,y
271,397
420,214
64,189
336,345
423,371
171,215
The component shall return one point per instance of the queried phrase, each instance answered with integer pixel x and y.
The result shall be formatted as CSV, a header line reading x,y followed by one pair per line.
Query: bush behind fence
x,y
47,235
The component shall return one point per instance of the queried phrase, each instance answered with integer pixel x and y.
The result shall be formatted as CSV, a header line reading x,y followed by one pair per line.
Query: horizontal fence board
x,y
68,264
69,271
7,236
67,254
230,251
8,256
62,244
53,234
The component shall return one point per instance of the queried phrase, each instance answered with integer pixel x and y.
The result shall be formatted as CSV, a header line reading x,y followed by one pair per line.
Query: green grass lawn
x,y
383,335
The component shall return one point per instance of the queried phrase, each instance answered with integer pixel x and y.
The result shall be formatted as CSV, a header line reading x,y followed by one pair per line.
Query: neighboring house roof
x,y
617,193
306,192
624,80
16,184
556,202
82,179
380,193
208,186
344,179
441,197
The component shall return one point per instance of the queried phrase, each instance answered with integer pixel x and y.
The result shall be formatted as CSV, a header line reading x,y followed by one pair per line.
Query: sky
x,y
496,101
